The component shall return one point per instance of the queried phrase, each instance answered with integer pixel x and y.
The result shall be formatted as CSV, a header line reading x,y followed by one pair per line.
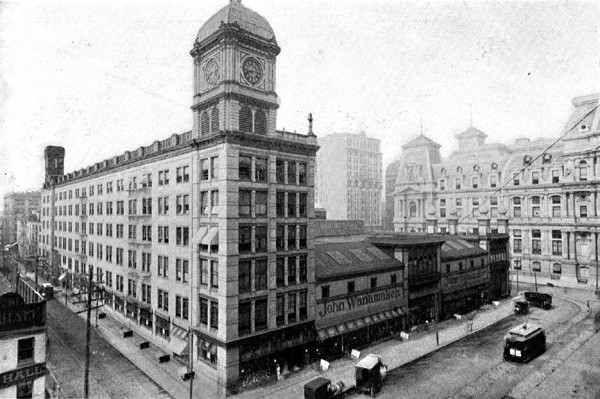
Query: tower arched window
x,y
245,119
412,209
260,122
204,123
214,120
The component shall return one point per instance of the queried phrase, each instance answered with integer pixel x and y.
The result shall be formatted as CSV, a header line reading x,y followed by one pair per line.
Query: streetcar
x,y
524,343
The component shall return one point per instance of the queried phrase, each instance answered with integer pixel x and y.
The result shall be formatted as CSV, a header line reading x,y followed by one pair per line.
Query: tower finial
x,y
310,125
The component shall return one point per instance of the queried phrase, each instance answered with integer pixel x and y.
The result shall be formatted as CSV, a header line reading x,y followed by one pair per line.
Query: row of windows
x,y
536,266
286,172
536,242
290,308
351,285
182,234
182,175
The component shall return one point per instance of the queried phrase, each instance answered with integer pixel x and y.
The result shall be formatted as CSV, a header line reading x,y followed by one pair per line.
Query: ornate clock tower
x,y
234,74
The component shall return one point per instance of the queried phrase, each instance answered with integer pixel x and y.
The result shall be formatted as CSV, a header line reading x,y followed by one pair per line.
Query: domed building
x,y
547,189
227,254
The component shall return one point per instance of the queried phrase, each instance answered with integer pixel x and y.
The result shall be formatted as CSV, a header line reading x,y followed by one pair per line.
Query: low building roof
x,y
456,247
350,257
403,239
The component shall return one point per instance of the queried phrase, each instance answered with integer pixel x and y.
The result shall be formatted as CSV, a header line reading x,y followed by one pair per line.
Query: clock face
x,y
211,72
252,70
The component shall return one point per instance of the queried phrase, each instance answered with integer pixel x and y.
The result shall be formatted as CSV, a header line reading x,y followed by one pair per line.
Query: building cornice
x,y
213,100
257,141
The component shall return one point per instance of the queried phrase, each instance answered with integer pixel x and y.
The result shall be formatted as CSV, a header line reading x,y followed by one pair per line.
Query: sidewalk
x,y
164,374
394,353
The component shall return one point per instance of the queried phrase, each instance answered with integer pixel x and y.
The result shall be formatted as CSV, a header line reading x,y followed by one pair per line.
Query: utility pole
x,y
535,277
191,367
87,338
517,270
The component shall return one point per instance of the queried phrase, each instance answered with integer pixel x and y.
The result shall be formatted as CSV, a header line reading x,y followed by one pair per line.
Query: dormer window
x,y
494,166
547,158
527,159
459,170
476,168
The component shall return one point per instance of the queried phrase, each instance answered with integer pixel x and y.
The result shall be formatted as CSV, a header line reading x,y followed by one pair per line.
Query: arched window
x,y
412,209
411,175
214,120
245,119
205,123
536,266
517,264
260,122
556,268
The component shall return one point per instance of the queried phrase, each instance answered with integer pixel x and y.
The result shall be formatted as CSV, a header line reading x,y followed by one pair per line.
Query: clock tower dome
x,y
234,74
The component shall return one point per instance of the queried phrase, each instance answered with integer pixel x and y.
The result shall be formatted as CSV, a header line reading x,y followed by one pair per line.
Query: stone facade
x,y
548,188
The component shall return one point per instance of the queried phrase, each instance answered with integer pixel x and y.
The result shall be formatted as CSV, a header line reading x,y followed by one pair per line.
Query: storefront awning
x,y
212,237
200,235
351,325
179,332
323,334
178,346
162,315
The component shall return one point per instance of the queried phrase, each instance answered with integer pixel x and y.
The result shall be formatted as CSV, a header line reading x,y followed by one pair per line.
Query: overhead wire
x,y
529,164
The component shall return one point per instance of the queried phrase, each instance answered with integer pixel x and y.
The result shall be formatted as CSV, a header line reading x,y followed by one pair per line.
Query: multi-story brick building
x,y
548,188
189,233
348,181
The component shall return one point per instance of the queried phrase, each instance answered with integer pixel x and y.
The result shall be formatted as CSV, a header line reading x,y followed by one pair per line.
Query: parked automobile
x,y
539,300
521,306
323,388
370,373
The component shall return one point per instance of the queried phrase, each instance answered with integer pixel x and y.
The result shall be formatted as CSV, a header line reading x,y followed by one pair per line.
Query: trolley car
x,y
524,343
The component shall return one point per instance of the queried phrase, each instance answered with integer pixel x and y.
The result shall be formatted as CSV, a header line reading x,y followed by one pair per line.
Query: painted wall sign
x,y
15,314
355,302
14,377
455,282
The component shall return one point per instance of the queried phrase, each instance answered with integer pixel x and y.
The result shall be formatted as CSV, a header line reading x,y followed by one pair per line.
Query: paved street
x,y
473,367
112,375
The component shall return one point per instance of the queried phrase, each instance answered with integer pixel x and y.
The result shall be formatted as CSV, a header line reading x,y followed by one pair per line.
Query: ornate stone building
x,y
548,188
189,233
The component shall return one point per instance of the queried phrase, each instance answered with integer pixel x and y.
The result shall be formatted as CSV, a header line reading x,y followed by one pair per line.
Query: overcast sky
x,y
101,77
